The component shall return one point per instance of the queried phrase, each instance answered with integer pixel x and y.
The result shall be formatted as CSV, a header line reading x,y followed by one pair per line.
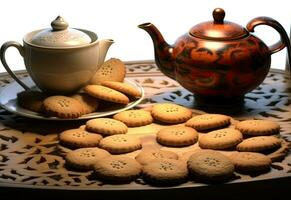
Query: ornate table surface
x,y
30,157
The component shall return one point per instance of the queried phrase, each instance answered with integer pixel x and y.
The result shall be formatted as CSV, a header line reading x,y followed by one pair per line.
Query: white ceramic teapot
x,y
60,60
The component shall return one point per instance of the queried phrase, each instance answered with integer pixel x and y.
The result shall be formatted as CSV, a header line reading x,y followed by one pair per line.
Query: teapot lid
x,y
218,29
60,35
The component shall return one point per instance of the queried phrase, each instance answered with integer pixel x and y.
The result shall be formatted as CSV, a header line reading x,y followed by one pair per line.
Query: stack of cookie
x,y
221,146
106,85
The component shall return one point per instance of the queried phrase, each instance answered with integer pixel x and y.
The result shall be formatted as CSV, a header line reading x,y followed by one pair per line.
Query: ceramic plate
x,y
8,101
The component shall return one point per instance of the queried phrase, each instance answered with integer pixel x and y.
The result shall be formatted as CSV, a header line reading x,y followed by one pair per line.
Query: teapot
x,y
60,60
219,61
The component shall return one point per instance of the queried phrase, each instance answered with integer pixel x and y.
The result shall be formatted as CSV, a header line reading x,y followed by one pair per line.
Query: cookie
x,y
165,172
177,136
83,127
220,139
84,159
31,100
106,126
210,166
147,156
134,118
186,155
280,153
89,103
250,162
170,113
117,169
107,94
259,144
79,138
122,87
62,107
121,143
111,70
258,127
208,122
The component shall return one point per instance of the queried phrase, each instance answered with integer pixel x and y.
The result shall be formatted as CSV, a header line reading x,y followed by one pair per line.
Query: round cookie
x,y
124,88
121,143
208,121
85,158
258,127
117,169
31,100
111,70
83,127
259,144
106,126
134,118
280,153
79,138
107,94
89,103
210,166
249,162
220,139
165,172
170,113
186,155
148,156
177,136
63,107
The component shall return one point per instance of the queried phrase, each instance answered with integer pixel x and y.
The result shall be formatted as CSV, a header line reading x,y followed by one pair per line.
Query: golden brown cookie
x,y
250,162
31,100
111,70
170,113
107,94
85,158
258,127
220,139
186,155
62,107
280,153
83,127
122,87
210,166
147,156
79,138
208,121
117,169
259,144
165,172
121,143
177,136
106,126
134,118
89,103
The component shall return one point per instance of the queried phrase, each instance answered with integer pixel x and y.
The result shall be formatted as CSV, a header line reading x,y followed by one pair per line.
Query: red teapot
x,y
218,61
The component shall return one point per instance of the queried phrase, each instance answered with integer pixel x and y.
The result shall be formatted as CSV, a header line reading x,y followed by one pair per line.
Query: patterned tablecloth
x,y
30,156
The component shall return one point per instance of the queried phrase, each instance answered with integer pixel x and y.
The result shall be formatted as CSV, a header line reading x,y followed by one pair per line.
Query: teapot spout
x,y
103,47
163,51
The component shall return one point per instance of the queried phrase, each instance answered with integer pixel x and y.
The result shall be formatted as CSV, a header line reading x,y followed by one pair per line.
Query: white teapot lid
x,y
60,35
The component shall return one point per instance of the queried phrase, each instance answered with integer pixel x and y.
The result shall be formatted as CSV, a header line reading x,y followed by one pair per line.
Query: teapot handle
x,y
284,39
19,47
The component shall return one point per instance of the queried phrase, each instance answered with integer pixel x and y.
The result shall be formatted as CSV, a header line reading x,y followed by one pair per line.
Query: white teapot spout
x,y
103,46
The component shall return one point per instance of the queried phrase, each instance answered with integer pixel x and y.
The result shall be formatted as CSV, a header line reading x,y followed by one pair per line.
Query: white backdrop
x,y
118,20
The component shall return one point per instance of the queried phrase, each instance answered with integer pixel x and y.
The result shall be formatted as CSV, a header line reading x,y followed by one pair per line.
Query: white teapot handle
x,y
19,47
